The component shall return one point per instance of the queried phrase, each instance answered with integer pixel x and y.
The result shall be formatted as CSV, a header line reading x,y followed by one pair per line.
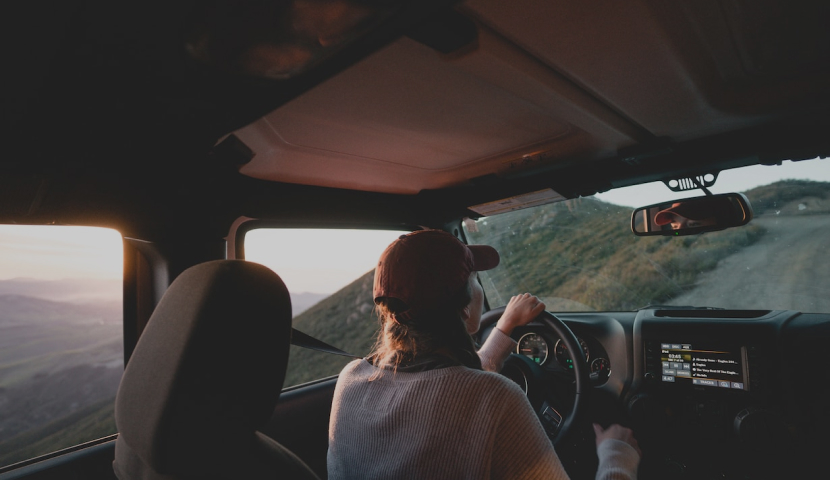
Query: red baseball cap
x,y
425,269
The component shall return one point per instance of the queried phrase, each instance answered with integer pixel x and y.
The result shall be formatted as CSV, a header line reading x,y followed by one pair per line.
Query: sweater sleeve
x,y
617,461
495,350
521,449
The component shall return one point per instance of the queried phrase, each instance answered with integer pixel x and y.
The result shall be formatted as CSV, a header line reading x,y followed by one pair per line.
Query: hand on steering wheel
x,y
520,310
529,375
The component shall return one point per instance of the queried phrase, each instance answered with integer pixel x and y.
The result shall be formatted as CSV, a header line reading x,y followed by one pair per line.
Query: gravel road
x,y
788,268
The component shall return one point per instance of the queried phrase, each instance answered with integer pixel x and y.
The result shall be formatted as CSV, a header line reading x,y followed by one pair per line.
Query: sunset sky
x,y
309,262
57,252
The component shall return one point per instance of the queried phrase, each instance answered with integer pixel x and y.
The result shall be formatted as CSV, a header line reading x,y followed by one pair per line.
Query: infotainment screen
x,y
703,365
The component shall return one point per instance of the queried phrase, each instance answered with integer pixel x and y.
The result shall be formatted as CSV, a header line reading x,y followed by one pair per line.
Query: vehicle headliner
x,y
110,122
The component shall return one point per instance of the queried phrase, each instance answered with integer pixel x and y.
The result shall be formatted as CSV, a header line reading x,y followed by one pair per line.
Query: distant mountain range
x,y
81,291
300,302
22,310
68,290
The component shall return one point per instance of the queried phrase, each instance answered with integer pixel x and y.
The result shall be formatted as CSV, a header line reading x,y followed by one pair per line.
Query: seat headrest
x,y
208,368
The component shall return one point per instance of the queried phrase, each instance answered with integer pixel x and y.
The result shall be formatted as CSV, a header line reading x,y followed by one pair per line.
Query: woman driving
x,y
426,404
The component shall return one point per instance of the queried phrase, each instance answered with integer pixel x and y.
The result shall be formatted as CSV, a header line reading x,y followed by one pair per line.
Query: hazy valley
x,y
60,364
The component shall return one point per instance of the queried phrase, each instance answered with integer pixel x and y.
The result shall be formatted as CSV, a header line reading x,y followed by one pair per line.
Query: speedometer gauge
x,y
600,366
562,355
534,347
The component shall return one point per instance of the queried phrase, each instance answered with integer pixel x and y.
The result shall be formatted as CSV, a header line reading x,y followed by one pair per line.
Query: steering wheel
x,y
528,375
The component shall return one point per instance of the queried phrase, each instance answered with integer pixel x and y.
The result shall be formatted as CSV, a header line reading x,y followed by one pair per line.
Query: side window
x,y
329,274
61,342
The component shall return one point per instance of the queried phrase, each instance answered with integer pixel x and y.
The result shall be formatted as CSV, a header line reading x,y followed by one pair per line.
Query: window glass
x,y
580,254
329,274
61,342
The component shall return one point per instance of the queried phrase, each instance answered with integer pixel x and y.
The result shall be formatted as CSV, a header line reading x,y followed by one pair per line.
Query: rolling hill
x,y
60,364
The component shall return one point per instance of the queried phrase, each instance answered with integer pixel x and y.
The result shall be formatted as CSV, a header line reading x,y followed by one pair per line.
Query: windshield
x,y
580,254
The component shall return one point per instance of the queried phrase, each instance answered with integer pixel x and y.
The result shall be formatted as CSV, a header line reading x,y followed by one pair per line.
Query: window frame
x,y
94,446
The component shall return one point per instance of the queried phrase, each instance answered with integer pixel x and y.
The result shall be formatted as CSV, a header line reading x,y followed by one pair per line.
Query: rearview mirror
x,y
690,216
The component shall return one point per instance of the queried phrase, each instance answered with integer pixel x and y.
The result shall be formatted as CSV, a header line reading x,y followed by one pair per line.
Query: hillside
x,y
791,197
60,364
581,255
51,412
300,302
345,319
41,336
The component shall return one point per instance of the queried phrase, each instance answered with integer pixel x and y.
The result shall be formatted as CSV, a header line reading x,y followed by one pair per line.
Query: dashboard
x,y
709,393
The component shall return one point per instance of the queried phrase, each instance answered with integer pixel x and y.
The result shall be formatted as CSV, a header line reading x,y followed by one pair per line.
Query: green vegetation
x,y
581,255
779,194
60,364
345,319
93,422
56,348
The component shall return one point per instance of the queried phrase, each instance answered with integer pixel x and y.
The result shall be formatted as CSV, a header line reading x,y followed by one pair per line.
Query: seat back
x,y
205,374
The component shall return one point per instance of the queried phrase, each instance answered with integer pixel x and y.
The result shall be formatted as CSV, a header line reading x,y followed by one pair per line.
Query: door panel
x,y
89,463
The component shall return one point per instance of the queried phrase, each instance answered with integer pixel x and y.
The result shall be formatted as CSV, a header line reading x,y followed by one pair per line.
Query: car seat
x,y
205,374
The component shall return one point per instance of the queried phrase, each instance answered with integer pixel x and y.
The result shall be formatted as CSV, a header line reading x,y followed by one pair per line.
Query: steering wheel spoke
x,y
558,422
551,419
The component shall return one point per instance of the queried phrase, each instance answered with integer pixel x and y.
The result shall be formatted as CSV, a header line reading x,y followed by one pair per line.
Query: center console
x,y
704,363
700,406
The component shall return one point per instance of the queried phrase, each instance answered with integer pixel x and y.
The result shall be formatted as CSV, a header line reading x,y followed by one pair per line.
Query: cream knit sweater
x,y
447,423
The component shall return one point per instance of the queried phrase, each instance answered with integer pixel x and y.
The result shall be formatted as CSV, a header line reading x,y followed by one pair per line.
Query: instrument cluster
x,y
550,352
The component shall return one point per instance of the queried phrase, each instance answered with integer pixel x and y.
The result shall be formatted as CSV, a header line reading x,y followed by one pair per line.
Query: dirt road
x,y
788,268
